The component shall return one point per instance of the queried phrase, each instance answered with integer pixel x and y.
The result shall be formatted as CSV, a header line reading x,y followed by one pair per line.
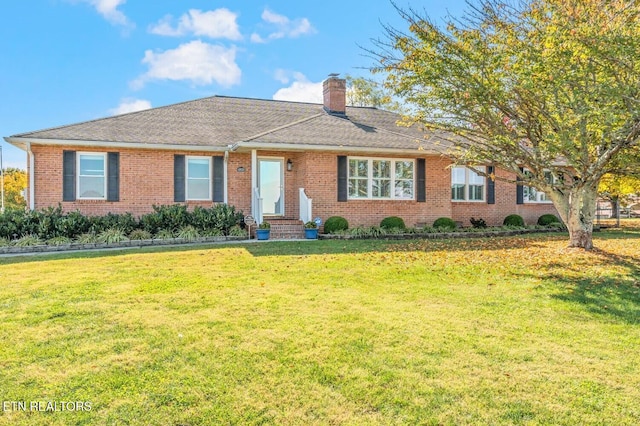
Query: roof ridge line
x,y
302,120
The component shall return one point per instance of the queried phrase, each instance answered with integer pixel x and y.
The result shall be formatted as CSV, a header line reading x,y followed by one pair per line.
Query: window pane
x,y
530,193
381,188
358,188
91,187
198,168
476,192
353,168
353,187
458,175
404,189
382,169
457,192
358,168
474,178
404,170
91,165
198,189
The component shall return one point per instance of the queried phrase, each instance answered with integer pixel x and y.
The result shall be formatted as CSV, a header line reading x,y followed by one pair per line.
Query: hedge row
x,y
52,222
393,224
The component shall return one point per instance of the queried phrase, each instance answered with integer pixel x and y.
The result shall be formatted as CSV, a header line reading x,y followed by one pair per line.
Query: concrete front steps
x,y
285,228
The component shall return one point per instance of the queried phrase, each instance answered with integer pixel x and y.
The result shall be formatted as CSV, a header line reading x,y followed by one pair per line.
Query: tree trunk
x,y
614,208
577,210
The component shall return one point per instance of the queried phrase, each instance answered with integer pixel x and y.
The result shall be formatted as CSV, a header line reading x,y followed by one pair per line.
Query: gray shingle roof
x,y
220,121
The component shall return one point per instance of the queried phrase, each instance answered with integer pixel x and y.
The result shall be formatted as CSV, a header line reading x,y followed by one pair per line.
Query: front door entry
x,y
271,185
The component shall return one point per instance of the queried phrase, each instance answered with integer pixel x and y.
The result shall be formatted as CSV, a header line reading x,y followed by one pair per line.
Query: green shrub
x,y
444,222
165,234
548,219
392,222
378,231
4,242
221,216
112,235
237,231
58,241
334,224
188,233
213,232
397,231
124,222
172,217
74,224
87,238
27,241
360,232
139,234
10,222
478,223
513,220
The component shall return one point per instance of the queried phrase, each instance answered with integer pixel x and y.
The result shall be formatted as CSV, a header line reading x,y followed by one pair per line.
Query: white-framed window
x,y
532,195
381,178
467,185
92,175
198,171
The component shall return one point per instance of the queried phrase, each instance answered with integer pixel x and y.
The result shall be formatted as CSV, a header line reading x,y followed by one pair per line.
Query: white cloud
x,y
281,75
130,105
109,10
282,27
301,90
198,62
274,18
255,38
219,23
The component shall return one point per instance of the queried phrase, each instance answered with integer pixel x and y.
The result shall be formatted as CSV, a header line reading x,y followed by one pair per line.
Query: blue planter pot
x,y
263,234
311,233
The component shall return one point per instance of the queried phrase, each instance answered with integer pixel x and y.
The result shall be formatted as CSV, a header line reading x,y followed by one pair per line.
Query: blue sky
x,y
66,61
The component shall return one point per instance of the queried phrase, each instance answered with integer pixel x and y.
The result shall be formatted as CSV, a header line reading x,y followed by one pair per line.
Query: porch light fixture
x,y
289,165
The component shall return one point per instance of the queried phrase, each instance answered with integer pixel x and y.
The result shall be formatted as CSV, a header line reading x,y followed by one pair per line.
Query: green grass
x,y
488,331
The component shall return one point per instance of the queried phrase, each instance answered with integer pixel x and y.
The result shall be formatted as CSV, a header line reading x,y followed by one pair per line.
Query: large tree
x,y
546,89
364,92
15,181
618,189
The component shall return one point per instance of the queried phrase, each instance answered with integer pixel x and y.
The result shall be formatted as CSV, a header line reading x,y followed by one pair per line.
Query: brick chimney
x,y
334,91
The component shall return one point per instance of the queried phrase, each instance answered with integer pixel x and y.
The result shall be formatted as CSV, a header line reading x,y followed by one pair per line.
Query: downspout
x,y
224,178
230,148
254,183
32,180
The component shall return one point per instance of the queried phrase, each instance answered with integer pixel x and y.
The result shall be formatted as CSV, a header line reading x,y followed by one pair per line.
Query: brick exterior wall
x,y
146,178
505,204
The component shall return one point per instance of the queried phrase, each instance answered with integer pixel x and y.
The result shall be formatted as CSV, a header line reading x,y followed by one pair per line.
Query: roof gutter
x,y
32,191
20,142
332,148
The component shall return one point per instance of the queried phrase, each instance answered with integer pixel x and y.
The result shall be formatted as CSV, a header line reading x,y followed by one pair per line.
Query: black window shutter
x,y
342,178
178,178
218,179
113,176
519,189
421,174
68,175
491,185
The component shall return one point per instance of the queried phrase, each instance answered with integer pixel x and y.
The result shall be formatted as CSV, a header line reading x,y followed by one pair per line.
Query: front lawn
x,y
490,331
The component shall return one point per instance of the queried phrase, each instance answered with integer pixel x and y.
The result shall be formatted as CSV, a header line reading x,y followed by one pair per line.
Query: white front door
x,y
271,185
